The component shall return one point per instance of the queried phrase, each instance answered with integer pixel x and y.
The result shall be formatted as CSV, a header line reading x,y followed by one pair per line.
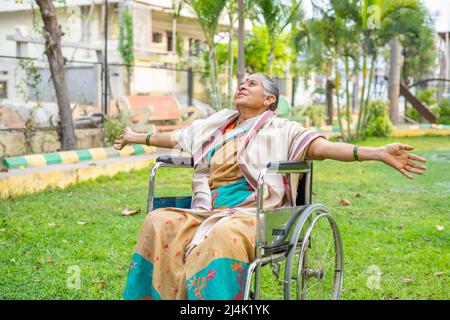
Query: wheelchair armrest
x,y
169,161
288,166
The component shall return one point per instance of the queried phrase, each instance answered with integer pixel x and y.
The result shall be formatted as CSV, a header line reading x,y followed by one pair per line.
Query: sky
x,y
441,9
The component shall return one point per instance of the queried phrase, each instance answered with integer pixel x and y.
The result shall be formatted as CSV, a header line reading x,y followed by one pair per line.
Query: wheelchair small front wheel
x,y
314,265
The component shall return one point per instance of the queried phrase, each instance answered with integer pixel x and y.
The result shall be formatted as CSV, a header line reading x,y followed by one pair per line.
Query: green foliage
x,y
276,16
413,114
427,96
179,45
126,38
208,13
30,81
443,112
378,122
257,49
316,114
113,127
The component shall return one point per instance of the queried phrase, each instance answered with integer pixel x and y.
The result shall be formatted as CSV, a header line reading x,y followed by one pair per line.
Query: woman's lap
x,y
164,237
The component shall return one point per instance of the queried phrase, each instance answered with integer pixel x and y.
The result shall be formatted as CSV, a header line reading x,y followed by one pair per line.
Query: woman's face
x,y
250,94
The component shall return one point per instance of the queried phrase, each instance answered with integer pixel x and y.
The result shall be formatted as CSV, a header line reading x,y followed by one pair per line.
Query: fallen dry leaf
x,y
49,260
81,222
127,212
438,274
345,202
439,228
101,283
406,279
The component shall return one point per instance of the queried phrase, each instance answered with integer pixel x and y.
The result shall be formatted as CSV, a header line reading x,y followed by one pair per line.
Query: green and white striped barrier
x,y
74,156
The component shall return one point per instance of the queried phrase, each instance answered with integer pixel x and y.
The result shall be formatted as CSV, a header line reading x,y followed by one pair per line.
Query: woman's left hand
x,y
395,155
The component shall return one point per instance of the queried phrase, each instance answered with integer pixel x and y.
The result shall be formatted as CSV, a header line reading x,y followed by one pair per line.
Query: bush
x,y
413,114
442,112
426,96
317,114
378,122
112,127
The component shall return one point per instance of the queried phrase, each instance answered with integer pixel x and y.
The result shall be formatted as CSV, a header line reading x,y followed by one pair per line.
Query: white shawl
x,y
269,139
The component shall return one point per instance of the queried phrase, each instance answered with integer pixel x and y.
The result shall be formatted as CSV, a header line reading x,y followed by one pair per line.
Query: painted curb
x,y
74,156
17,185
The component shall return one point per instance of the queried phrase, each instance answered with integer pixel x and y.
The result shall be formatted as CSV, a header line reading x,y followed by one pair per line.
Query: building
x,y
82,22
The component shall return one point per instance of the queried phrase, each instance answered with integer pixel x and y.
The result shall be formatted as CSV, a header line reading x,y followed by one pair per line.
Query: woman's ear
x,y
269,100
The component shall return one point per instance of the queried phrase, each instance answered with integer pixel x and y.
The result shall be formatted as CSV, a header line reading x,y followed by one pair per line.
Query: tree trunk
x,y
394,79
230,65
270,59
215,89
329,97
241,42
361,101
338,86
52,35
369,89
347,99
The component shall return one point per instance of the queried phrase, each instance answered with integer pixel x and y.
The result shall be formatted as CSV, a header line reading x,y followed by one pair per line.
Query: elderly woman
x,y
204,252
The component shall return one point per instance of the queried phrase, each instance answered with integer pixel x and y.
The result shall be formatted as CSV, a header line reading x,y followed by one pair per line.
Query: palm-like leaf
x,y
208,14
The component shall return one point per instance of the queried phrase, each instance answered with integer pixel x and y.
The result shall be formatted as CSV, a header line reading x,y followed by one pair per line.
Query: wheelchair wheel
x,y
314,264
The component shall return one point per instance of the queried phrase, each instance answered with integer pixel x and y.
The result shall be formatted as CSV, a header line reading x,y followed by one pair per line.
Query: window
x,y
170,41
157,37
3,90
195,47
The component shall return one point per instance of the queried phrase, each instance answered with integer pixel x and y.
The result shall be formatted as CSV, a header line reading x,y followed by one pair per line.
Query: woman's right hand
x,y
124,139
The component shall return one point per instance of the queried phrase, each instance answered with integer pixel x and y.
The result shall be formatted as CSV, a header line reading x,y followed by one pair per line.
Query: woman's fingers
x,y
405,146
405,173
416,165
413,170
416,157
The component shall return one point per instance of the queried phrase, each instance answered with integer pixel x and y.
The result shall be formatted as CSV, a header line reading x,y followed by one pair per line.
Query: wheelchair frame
x,y
280,248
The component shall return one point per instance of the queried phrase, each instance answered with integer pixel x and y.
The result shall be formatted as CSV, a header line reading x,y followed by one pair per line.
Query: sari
x,y
204,252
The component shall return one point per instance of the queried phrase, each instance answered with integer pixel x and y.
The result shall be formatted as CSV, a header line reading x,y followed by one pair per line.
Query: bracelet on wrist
x,y
147,139
355,153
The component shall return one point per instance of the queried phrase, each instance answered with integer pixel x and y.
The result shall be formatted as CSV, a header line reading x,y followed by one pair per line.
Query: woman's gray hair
x,y
270,89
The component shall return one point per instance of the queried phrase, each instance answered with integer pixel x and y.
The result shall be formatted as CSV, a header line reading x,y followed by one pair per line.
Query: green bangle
x,y
355,153
147,139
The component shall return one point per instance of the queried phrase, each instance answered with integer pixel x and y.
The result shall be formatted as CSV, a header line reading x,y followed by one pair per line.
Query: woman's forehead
x,y
252,77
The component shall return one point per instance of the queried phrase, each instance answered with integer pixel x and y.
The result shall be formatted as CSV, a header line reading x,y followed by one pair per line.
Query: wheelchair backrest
x,y
301,189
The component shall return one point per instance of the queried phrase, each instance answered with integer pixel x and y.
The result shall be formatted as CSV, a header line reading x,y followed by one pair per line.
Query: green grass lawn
x,y
391,224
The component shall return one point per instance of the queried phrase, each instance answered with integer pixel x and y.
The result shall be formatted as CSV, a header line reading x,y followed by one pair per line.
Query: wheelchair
x,y
302,243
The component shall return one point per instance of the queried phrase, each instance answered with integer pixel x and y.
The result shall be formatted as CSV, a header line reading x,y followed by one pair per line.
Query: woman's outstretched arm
x,y
393,154
162,140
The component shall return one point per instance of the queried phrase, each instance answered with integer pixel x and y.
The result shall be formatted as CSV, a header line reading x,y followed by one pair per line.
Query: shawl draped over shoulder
x,y
269,139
